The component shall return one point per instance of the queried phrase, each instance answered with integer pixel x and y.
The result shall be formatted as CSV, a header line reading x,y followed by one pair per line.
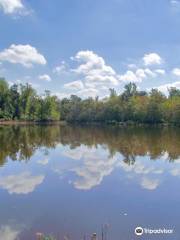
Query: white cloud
x,y
45,77
152,59
129,76
101,80
132,66
11,6
14,8
164,88
75,85
22,54
137,76
90,92
160,71
8,233
176,72
93,76
62,68
140,73
149,73
92,63
150,184
94,70
23,183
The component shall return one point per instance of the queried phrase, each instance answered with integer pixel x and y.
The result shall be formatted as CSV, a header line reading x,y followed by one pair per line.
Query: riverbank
x,y
112,123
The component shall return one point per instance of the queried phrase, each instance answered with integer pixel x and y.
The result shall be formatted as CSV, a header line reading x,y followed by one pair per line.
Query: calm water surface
x,y
71,181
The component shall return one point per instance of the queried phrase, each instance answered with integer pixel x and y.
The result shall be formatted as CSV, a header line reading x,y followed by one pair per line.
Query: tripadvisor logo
x,y
139,231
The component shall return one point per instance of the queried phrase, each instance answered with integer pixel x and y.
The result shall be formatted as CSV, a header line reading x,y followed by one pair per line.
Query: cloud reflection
x,y
150,184
8,233
95,164
22,183
92,166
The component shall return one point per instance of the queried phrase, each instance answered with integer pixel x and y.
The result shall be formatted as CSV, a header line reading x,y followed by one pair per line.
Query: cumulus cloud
x,y
129,76
8,233
138,75
23,183
94,70
12,6
75,85
176,72
160,71
45,77
25,55
93,76
164,88
152,59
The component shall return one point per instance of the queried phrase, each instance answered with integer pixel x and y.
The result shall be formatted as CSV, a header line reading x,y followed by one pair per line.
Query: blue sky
x,y
85,47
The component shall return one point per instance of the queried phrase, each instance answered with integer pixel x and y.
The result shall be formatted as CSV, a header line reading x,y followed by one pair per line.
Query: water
x,y
74,181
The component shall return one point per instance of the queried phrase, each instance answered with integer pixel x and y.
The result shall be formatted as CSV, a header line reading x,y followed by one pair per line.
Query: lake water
x,y
74,181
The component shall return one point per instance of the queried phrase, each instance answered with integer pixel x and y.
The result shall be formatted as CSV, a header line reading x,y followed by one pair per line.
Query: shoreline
x,y
11,122
120,124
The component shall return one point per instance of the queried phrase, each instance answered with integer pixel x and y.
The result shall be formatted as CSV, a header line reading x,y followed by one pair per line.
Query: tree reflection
x,y
21,142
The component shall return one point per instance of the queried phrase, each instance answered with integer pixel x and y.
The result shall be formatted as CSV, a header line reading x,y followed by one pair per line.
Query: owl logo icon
x,y
139,231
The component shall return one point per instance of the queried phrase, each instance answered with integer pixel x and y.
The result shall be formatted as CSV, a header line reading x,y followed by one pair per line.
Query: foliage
x,y
21,102
130,106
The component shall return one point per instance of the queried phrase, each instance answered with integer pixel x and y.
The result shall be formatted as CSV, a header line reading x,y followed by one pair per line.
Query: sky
x,y
85,47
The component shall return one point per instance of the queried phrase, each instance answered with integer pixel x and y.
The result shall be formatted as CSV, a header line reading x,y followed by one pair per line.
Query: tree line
x,y
131,106
21,102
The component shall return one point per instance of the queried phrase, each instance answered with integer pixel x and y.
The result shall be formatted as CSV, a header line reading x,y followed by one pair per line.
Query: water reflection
x,y
22,183
50,176
93,153
20,143
8,233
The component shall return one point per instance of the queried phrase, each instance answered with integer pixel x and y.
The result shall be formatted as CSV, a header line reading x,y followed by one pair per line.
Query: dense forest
x,y
21,102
